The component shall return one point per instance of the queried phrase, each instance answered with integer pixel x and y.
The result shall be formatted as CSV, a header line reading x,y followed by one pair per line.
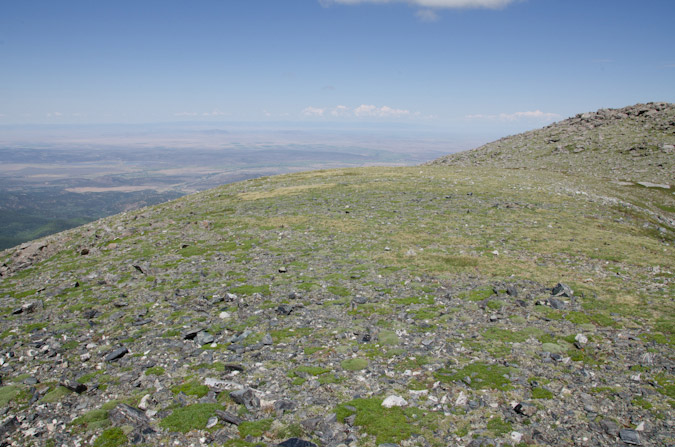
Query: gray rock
x,y
358,299
124,414
212,422
525,409
74,386
228,417
283,405
284,309
556,303
247,398
192,333
204,338
267,340
8,426
609,427
630,436
562,290
116,354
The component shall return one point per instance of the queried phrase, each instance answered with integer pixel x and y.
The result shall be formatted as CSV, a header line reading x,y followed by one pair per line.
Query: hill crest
x,y
635,144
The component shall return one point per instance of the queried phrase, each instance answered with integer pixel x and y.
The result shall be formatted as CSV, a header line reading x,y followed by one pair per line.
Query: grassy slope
x,y
394,232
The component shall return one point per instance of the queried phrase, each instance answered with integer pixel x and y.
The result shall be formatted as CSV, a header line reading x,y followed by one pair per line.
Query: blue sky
x,y
498,65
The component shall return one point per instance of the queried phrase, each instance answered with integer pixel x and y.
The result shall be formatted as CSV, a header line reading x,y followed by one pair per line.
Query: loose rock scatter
x,y
458,305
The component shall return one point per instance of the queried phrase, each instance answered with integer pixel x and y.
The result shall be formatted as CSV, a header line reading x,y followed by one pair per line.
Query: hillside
x,y
633,144
487,306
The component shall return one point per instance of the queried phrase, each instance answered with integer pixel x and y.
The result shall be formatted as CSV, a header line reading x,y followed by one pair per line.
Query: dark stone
x,y
283,405
8,426
116,354
228,417
124,414
284,309
247,398
610,427
76,387
204,338
233,367
311,424
525,409
512,291
28,381
89,314
27,308
140,322
139,268
192,333
556,303
562,290
630,436
297,442
349,420
358,299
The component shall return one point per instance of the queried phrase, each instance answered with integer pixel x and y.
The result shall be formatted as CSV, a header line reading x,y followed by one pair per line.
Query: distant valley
x,y
52,179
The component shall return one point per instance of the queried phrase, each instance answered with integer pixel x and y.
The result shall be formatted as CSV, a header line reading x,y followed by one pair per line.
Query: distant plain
x,y
56,177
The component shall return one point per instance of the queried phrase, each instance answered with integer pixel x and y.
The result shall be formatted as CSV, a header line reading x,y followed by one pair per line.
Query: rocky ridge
x,y
633,144
426,306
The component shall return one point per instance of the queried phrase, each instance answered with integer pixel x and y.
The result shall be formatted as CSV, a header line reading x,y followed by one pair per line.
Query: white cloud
x,y
427,15
362,111
54,114
340,111
534,114
365,110
313,111
438,4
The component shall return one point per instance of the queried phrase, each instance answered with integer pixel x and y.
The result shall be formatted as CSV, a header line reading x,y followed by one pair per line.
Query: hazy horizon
x,y
476,67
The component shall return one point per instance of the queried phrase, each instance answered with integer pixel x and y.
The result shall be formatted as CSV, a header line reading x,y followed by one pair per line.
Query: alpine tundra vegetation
x,y
517,294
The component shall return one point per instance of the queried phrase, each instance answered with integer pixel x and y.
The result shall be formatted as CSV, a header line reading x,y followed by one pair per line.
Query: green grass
x,y
8,393
355,364
111,437
477,294
92,420
191,388
387,425
499,427
248,289
254,428
312,370
481,375
55,395
154,371
541,393
339,290
190,417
